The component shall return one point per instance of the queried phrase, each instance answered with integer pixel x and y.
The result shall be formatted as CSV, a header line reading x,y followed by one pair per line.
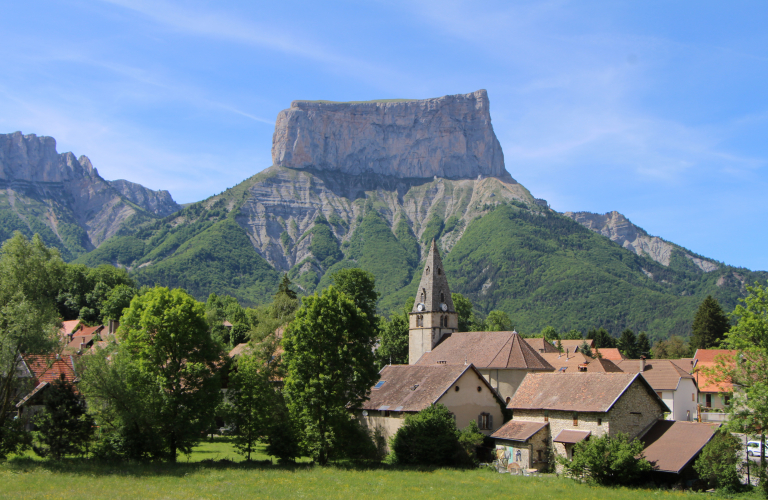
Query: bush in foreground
x,y
430,437
607,460
718,462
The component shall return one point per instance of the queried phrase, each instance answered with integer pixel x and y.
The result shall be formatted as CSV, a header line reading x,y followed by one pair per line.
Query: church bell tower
x,y
433,314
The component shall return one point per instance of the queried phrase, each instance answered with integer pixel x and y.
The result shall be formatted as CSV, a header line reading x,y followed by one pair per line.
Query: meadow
x,y
213,470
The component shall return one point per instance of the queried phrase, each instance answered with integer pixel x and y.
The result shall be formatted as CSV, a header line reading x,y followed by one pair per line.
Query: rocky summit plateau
x,y
370,185
449,137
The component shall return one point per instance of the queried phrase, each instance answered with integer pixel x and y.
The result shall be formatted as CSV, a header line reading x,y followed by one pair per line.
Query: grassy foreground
x,y
199,477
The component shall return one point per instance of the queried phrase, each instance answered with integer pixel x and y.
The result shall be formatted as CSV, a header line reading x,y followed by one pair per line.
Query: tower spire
x,y
433,314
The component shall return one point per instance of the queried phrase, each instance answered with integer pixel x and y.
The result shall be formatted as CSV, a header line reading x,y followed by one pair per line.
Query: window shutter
x,y
480,421
490,421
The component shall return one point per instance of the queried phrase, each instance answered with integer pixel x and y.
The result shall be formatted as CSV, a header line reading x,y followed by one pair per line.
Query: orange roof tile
x,y
68,326
708,359
50,367
610,353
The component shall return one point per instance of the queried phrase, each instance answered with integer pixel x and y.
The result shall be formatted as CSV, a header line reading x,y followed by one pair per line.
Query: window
x,y
658,393
726,399
427,269
439,271
599,421
693,396
709,400
575,419
538,455
379,384
508,399
456,388
387,413
479,389
485,421
546,415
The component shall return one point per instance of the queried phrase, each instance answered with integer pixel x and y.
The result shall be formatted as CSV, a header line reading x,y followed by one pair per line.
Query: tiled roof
x,y
415,387
518,430
486,350
540,345
571,362
708,358
685,364
77,342
47,368
671,445
610,353
568,436
662,374
68,326
239,349
588,392
36,390
85,331
572,345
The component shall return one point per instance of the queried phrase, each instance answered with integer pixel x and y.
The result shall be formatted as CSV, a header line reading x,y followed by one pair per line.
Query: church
x,y
503,358
474,374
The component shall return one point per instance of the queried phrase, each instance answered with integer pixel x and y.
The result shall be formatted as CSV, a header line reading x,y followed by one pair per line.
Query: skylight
x,y
379,384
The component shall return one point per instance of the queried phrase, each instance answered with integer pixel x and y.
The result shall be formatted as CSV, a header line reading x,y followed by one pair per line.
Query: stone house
x,y
579,405
676,387
408,389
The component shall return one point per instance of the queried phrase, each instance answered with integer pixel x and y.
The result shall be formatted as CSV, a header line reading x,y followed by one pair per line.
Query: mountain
x,y
371,184
64,199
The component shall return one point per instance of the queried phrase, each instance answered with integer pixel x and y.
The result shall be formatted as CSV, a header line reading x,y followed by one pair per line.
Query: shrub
x,y
63,427
429,437
607,460
718,462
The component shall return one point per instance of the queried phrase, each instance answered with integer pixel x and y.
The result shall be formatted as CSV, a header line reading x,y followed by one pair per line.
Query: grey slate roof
x,y
504,350
433,284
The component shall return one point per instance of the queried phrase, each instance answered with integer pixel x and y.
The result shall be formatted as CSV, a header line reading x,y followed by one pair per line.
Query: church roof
x,y
541,345
433,287
486,350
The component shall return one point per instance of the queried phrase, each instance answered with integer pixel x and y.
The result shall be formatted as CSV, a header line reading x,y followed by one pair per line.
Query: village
x,y
533,399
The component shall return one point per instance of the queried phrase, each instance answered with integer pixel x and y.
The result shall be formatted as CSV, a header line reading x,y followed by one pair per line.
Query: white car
x,y
753,448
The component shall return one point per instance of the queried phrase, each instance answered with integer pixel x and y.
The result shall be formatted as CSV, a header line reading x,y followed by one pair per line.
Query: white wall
x,y
684,406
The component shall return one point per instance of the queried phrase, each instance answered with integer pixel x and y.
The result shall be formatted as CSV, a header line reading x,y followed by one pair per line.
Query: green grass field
x,y
29,478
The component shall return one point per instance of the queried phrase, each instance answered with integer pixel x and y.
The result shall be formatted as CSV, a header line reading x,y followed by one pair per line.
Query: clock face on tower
x,y
420,307
443,306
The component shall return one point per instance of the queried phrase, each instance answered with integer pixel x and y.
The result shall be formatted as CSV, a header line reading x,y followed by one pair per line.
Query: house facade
x,y
577,406
406,389
676,387
714,394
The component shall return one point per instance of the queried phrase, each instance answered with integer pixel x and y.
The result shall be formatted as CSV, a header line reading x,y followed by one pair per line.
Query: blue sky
x,y
658,110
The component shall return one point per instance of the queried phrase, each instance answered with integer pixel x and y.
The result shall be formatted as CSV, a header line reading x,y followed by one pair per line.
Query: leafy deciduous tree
x,y
719,460
429,437
329,367
607,460
465,310
498,321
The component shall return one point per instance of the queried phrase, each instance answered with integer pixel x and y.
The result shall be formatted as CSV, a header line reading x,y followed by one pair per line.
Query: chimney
x,y
566,353
642,364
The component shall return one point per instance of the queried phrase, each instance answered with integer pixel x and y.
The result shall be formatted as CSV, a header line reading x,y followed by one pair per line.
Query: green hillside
x,y
537,266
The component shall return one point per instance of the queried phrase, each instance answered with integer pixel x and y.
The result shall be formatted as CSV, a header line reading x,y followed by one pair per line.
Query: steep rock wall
x,y
450,137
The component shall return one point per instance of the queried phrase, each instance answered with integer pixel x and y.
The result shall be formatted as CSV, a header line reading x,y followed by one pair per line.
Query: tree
x,y
498,321
585,349
329,367
170,365
627,344
709,324
607,460
719,460
749,372
429,437
63,427
672,348
550,334
468,321
360,286
251,397
602,338
117,301
284,288
394,341
572,335
30,274
643,345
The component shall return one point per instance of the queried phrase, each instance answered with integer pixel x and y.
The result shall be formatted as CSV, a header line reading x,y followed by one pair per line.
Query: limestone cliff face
x,y
158,202
282,200
449,137
63,198
618,228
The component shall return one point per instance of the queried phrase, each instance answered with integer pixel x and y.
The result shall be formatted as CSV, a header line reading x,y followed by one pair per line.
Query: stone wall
x,y
635,411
